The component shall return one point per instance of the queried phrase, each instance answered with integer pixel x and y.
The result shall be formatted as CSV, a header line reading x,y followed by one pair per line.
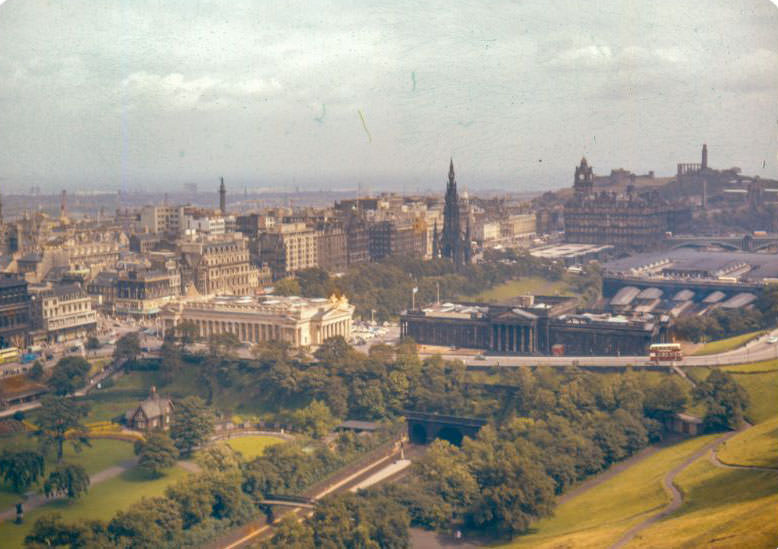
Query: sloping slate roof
x,y
154,407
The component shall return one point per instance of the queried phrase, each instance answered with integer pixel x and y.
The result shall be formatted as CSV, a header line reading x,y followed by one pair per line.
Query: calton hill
x,y
191,445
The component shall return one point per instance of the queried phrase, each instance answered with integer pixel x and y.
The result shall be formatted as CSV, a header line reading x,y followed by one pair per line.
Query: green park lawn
x,y
723,345
722,508
528,285
252,446
599,516
101,455
102,502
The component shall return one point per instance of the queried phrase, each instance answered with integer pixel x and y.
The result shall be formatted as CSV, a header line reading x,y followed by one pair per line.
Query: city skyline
x,y
380,96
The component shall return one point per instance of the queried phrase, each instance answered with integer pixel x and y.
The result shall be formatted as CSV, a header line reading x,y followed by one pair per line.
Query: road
x,y
754,351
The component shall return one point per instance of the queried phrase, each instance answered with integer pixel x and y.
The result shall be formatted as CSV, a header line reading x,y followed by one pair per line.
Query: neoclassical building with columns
x,y
301,322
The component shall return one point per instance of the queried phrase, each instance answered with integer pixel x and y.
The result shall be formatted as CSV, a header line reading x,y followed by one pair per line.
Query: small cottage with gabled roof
x,y
153,413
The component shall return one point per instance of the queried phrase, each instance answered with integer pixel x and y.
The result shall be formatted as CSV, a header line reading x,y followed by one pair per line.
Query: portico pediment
x,y
514,315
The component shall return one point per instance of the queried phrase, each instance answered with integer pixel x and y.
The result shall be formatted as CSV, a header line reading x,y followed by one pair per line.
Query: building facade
x,y
395,238
331,248
61,313
629,221
288,248
220,266
143,293
14,312
297,321
536,328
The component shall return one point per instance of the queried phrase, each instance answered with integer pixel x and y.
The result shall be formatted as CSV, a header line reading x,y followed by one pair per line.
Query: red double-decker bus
x,y
659,352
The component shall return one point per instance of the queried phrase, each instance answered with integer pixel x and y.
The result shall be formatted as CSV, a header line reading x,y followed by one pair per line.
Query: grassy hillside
x,y
722,508
599,516
723,345
759,379
756,447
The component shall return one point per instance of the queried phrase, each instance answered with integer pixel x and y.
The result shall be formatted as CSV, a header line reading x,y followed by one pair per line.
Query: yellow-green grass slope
x,y
723,345
756,447
724,507
102,502
599,516
730,507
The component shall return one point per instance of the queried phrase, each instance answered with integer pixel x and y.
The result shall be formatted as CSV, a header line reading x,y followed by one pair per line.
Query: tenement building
x,y
219,265
14,312
395,238
297,321
630,220
142,293
62,312
288,248
537,327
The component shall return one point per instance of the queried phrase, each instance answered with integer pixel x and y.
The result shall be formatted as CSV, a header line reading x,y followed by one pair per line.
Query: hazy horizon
x,y
150,95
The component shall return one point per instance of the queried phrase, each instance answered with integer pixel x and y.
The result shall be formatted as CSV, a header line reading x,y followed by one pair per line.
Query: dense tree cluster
x,y
549,428
69,374
725,401
347,520
385,287
228,493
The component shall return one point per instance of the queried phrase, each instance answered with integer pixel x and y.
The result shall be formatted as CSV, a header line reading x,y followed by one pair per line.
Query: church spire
x,y
451,179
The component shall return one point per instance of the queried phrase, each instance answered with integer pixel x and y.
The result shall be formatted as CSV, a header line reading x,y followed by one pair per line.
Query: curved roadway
x,y
754,351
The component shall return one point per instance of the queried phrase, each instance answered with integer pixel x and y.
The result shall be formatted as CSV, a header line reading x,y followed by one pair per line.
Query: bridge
x,y
746,243
424,427
289,501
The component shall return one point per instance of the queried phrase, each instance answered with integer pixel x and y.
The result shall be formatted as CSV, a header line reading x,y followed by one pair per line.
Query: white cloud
x,y
178,92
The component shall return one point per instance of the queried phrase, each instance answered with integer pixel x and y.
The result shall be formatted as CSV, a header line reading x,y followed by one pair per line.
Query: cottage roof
x,y
154,405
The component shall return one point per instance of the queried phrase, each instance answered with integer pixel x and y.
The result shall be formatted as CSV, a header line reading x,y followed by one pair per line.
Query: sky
x,y
142,94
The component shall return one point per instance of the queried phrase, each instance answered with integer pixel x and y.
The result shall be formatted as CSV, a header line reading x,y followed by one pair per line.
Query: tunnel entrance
x,y
418,434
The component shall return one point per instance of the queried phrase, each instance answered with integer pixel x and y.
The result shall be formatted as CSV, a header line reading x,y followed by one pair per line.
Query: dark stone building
x,y
388,238
331,248
14,312
630,220
357,241
532,329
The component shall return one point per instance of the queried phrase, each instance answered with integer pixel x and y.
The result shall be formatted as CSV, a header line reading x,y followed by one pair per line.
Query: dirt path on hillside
x,y
668,482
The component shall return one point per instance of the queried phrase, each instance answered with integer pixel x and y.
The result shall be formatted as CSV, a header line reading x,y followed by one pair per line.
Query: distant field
x,y
102,501
722,508
527,285
723,345
758,446
253,445
599,516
